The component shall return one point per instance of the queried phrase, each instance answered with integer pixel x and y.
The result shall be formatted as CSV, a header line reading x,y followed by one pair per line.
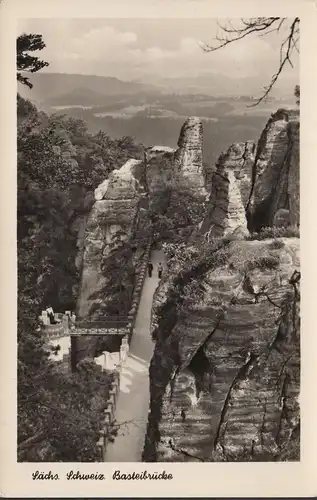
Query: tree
x,y
261,26
25,62
297,94
59,165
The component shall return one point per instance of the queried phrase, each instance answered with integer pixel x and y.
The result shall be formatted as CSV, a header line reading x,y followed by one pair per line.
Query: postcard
x,y
158,237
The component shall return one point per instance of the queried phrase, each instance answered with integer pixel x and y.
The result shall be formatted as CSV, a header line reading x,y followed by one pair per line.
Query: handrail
x,y
102,323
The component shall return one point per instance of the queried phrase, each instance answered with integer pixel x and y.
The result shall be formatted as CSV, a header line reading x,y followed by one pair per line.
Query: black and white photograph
x,y
158,240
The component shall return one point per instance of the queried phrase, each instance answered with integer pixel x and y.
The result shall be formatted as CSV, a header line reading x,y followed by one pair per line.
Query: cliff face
x,y
159,167
189,156
275,184
121,208
231,185
225,372
257,186
111,223
181,167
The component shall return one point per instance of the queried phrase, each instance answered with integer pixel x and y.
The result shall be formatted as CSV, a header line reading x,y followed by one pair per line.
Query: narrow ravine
x,y
133,402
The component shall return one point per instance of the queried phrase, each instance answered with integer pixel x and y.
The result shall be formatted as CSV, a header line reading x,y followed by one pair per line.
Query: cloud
x,y
189,45
131,49
109,35
98,43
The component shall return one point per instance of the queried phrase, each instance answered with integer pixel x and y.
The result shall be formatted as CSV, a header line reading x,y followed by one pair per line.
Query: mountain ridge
x,y
47,86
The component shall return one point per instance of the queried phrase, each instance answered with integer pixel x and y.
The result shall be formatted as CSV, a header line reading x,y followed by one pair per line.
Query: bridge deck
x,y
98,331
106,326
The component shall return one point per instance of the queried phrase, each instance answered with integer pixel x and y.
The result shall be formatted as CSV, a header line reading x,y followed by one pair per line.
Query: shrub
x,y
267,262
277,244
275,232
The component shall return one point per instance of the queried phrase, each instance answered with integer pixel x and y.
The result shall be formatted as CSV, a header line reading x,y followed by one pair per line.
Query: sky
x,y
158,50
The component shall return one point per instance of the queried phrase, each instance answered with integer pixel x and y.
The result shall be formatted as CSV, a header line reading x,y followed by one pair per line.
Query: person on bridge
x,y
150,268
160,270
50,314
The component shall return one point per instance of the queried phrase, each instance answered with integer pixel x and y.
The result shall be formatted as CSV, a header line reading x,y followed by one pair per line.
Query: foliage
x,y
297,94
59,164
264,262
25,62
186,264
276,244
275,232
118,269
175,212
68,410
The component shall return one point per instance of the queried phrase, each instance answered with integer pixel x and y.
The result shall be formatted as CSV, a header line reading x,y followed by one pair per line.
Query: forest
x,y
59,166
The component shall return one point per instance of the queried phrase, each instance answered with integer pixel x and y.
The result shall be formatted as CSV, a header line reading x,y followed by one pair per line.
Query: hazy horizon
x,y
163,52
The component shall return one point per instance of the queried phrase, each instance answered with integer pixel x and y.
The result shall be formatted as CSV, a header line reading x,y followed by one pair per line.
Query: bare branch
x,y
284,58
183,452
260,26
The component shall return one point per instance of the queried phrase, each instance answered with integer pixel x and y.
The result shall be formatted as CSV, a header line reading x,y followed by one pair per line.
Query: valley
x,y
152,114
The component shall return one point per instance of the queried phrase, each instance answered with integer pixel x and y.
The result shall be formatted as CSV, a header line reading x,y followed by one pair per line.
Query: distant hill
x,y
80,97
61,88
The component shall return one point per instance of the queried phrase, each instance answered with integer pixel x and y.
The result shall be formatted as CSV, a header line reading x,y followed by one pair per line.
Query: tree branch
x,y
261,26
179,450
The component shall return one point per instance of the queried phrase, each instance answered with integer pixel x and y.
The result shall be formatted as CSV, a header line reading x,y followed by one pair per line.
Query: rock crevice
x,y
220,362
275,177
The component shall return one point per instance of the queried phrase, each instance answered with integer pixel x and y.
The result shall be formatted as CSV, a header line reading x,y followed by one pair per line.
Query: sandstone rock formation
x,y
251,184
225,372
159,167
276,171
122,202
189,156
231,185
111,222
182,166
122,183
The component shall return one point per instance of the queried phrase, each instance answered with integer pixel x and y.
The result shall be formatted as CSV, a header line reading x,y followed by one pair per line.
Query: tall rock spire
x,y
276,171
231,184
188,159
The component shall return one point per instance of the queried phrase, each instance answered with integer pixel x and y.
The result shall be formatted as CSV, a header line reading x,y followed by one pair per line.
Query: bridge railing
x,y
110,325
104,323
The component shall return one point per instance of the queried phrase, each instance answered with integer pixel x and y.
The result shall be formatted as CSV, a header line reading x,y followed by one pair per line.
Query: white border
x,y
207,479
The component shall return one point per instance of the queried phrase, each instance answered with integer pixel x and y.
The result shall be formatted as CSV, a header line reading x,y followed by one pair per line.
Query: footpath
x,y
133,401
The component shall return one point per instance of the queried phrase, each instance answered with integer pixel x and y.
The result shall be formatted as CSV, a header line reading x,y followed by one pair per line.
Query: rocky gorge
x,y
119,219
225,373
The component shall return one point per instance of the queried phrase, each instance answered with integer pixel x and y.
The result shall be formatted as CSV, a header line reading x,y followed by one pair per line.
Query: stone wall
x,y
108,417
138,290
108,422
58,341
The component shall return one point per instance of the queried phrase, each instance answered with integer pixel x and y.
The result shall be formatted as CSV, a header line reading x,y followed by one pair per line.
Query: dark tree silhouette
x,y
261,26
25,62
297,94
